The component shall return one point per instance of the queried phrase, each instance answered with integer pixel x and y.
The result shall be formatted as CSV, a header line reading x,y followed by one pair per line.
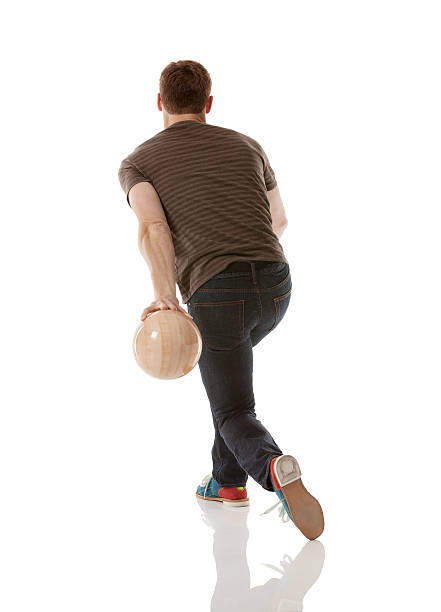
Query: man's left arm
x,y
156,245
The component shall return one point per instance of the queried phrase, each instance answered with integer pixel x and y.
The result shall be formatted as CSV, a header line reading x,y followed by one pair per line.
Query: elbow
x,y
149,230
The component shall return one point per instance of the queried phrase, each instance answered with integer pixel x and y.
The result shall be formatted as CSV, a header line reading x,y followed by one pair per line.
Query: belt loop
x,y
253,271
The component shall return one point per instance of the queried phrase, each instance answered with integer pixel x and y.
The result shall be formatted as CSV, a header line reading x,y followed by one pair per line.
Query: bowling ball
x,y
167,344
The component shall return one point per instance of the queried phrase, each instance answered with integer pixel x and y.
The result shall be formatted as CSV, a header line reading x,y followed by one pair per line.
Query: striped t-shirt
x,y
212,183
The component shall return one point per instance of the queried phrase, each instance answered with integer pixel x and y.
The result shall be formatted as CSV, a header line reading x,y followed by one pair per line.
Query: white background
x,y
99,462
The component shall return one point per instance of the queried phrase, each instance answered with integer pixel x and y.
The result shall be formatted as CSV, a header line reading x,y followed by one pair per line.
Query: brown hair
x,y
185,87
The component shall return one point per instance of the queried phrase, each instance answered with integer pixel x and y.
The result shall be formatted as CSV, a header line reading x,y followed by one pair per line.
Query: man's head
x,y
184,89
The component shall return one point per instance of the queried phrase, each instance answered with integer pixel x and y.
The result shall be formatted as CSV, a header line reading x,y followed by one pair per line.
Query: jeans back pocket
x,y
221,323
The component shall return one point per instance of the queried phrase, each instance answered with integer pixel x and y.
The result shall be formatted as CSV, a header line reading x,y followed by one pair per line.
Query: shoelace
x,y
282,512
205,482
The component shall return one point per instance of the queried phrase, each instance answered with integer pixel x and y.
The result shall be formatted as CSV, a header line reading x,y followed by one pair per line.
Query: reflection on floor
x,y
233,592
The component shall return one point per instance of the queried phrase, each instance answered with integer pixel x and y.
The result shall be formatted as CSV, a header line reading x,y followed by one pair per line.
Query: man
x,y
210,218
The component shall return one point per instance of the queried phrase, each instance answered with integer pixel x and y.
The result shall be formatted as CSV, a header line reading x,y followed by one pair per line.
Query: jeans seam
x,y
216,303
276,303
260,309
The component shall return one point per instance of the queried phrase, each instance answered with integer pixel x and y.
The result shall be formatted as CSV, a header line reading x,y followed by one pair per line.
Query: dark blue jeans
x,y
234,311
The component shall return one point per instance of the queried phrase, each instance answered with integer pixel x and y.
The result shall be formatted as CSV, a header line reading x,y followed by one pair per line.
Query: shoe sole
x,y
306,512
228,502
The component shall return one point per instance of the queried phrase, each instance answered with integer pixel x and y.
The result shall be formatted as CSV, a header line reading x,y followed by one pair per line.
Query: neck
x,y
170,119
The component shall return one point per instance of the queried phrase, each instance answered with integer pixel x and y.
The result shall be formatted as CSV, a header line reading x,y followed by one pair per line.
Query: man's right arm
x,y
278,214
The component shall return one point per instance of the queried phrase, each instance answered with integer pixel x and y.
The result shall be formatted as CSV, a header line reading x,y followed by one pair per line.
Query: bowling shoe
x,y
210,490
297,504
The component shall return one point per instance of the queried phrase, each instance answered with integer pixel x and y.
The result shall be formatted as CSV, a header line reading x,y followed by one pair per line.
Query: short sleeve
x,y
268,173
129,174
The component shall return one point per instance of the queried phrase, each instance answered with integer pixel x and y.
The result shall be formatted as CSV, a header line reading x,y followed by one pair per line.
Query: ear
x,y
208,105
159,102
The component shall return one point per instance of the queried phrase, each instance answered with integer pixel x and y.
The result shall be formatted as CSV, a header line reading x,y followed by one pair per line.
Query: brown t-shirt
x,y
212,183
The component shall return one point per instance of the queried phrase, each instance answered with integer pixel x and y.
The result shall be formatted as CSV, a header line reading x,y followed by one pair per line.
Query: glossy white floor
x,y
100,464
